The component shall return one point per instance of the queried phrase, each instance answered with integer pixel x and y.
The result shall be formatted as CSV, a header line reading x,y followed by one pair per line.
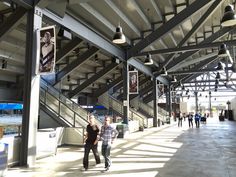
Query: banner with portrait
x,y
133,82
47,58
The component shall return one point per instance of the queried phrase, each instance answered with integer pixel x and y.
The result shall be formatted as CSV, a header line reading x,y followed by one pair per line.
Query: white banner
x,y
47,45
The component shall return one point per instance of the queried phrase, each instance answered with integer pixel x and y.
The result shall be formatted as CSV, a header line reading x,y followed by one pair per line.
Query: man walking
x,y
92,132
108,135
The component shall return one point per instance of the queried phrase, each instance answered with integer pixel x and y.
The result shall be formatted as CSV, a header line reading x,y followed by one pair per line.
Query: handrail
x,y
66,103
52,110
63,98
118,106
43,99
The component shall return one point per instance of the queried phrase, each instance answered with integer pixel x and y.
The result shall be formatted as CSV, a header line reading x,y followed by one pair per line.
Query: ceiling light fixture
x,y
148,60
229,18
219,66
119,37
174,79
223,52
163,72
218,76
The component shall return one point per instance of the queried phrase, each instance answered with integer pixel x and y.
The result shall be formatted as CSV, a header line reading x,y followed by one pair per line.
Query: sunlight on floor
x,y
143,156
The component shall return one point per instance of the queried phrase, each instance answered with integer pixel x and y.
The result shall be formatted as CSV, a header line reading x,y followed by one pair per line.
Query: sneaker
x,y
106,168
84,169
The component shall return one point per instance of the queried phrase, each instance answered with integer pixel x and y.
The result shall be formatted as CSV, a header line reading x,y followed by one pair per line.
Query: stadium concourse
x,y
168,151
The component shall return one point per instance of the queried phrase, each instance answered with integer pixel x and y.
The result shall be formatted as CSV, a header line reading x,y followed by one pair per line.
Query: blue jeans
x,y
106,149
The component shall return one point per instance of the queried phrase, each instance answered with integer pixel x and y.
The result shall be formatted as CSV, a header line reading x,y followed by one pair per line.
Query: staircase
x,y
149,112
111,103
61,108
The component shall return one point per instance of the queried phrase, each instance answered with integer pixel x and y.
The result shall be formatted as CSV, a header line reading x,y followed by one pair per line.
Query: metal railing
x,y
63,107
149,109
110,102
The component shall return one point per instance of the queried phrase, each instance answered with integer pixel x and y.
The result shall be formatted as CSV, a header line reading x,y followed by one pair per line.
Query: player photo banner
x,y
133,82
47,45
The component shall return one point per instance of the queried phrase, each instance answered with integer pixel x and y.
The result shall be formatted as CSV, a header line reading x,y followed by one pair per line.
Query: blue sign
x,y
10,106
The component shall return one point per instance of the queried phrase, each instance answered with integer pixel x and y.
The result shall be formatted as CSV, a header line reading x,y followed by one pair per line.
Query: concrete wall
x,y
8,94
46,121
233,107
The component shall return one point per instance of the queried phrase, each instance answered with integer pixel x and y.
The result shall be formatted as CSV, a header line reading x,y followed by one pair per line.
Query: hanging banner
x,y
133,82
47,45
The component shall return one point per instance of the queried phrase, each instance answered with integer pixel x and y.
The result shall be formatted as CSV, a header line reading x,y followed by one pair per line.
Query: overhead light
x,y
4,64
119,37
65,33
217,75
219,66
148,60
216,82
96,58
163,72
223,52
68,78
229,18
174,79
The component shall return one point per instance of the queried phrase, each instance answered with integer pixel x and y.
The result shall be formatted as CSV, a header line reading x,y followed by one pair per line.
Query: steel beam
x,y
207,81
92,79
123,17
190,77
62,53
74,64
197,67
12,22
145,80
106,87
194,61
188,48
212,38
143,91
190,33
86,33
148,98
196,71
139,66
92,37
169,25
27,4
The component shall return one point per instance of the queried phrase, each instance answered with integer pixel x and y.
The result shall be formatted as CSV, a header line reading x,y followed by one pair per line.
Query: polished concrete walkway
x,y
168,151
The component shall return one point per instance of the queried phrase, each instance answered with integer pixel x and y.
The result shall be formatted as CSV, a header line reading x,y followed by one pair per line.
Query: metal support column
x,y
156,120
168,102
125,93
31,90
210,108
196,101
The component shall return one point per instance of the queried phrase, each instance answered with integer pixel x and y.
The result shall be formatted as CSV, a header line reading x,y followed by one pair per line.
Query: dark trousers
x,y
190,122
106,149
180,122
197,122
87,148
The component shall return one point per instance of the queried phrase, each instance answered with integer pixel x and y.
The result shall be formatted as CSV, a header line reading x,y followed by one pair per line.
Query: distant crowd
x,y
197,117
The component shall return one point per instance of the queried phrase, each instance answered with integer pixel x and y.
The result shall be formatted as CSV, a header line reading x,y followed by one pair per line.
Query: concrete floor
x,y
168,151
